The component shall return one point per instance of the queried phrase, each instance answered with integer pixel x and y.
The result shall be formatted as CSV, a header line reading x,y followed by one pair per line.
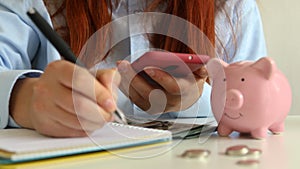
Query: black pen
x,y
64,49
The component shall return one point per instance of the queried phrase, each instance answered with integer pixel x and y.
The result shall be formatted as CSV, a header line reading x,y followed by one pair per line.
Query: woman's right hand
x,y
65,101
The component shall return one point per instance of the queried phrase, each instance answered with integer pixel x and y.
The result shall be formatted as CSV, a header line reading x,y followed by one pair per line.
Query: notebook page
x,y
24,142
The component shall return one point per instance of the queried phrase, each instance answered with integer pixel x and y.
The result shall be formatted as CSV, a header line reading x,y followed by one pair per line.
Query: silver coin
x,y
247,162
196,153
238,150
254,152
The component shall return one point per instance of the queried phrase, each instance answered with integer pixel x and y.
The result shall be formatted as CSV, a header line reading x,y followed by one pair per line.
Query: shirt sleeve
x,y
20,51
249,42
7,81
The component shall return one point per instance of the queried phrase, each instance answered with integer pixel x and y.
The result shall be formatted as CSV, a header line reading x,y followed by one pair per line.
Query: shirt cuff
x,y
7,81
12,123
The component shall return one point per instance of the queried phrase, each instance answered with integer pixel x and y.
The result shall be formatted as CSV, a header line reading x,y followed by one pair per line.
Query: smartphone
x,y
176,64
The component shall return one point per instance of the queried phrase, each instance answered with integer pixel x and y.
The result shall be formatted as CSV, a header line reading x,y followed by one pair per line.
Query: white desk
x,y
279,152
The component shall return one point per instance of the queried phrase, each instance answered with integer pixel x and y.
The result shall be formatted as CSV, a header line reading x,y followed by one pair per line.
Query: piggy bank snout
x,y
234,99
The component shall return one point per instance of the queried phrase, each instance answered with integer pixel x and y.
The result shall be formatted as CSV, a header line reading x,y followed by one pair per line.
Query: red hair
x,y
200,13
94,14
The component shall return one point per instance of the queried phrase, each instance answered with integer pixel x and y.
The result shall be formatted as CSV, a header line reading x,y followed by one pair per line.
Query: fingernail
x,y
109,104
150,72
122,67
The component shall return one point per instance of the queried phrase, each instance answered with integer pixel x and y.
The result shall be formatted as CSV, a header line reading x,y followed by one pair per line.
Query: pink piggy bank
x,y
249,97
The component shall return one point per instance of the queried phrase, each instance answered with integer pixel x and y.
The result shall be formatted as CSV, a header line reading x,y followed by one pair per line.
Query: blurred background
x,y
281,21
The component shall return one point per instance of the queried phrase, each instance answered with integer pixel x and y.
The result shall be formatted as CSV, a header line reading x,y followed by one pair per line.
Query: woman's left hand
x,y
169,94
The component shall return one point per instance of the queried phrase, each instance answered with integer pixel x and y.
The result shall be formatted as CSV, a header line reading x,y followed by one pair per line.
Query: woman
x,y
29,70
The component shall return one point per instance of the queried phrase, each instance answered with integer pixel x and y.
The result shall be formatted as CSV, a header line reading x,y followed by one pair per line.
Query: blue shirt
x,y
24,51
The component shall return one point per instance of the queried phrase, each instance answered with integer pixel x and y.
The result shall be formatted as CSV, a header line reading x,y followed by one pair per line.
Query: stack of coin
x,y
248,162
254,152
196,154
243,150
238,150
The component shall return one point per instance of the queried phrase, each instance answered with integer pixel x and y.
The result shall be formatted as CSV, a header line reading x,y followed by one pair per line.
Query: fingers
x,y
178,92
109,78
79,105
140,90
71,100
45,111
139,100
59,130
80,80
175,86
201,72
49,120
132,82
75,122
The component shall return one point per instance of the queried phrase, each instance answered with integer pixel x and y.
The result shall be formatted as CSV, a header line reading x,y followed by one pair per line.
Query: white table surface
x,y
278,152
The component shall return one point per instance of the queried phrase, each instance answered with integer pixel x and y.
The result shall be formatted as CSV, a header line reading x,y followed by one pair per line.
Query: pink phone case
x,y
176,64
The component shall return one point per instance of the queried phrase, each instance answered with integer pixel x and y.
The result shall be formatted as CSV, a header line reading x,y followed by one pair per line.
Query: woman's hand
x,y
66,101
169,94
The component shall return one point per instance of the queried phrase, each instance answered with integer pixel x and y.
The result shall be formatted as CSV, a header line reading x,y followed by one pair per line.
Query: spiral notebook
x,y
20,145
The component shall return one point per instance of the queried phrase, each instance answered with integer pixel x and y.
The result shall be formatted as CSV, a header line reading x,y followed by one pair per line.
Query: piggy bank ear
x,y
266,66
215,66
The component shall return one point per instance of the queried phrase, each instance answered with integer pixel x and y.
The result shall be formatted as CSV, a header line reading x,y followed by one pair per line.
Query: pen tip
x,y
31,11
